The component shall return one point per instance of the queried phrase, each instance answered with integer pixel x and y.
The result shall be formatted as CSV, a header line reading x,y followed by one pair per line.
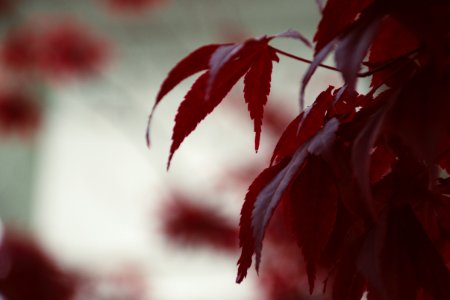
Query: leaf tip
x,y
147,139
169,160
149,121
311,272
257,142
239,278
147,131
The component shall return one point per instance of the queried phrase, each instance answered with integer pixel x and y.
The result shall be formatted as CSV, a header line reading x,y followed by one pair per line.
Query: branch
x,y
362,74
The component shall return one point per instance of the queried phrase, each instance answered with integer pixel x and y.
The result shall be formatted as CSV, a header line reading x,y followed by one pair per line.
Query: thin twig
x,y
389,63
363,74
303,59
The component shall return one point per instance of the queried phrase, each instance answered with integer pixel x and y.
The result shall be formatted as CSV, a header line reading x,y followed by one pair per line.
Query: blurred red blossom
x,y
188,223
59,50
19,51
133,5
26,272
19,113
5,6
69,49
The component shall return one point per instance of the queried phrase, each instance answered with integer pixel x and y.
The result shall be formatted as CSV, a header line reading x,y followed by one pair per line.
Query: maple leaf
x,y
257,88
393,40
428,97
349,282
405,259
267,190
246,235
361,149
381,161
351,44
303,127
313,199
225,64
332,24
193,63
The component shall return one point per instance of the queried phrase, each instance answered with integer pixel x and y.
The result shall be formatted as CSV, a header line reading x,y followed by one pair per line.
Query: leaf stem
x,y
389,63
303,59
362,74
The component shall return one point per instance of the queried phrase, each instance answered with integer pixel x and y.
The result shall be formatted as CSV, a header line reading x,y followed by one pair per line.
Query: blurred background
x,y
82,194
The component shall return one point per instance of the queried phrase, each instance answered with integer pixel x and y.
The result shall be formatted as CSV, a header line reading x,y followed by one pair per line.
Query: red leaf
x,y
425,97
293,34
314,118
349,284
193,63
257,79
221,57
353,46
250,48
195,108
338,242
257,87
246,228
392,41
313,201
381,162
353,43
264,199
319,57
364,143
337,16
405,259
269,197
226,64
303,127
287,144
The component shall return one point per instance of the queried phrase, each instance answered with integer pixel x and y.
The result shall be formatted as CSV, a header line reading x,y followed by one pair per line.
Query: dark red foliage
x,y
348,281
191,224
26,272
381,163
387,47
68,50
19,113
333,24
246,233
313,204
363,176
